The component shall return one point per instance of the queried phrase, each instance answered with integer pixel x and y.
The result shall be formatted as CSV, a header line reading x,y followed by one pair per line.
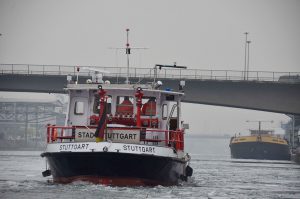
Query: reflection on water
x,y
216,175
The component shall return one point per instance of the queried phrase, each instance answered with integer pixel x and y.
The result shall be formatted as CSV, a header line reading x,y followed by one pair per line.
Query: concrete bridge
x,y
258,90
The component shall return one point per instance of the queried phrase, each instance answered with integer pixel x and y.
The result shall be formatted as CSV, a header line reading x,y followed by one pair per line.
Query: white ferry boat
x,y
119,134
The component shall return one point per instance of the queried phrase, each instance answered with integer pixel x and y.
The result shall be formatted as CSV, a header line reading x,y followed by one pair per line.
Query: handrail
x,y
170,115
56,136
138,72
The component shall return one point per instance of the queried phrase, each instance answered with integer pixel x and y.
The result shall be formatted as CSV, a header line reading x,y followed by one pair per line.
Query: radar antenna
x,y
160,66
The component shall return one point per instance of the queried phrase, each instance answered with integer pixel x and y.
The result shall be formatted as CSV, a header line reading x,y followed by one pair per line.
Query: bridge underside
x,y
276,97
265,96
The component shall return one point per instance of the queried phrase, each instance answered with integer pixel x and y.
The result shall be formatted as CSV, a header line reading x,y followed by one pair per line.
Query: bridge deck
x,y
140,73
222,90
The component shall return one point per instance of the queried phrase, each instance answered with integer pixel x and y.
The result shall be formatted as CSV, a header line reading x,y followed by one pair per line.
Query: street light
x,y
245,67
248,44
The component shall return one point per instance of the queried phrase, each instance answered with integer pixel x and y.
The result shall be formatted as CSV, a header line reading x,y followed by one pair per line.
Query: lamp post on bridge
x,y
245,67
248,44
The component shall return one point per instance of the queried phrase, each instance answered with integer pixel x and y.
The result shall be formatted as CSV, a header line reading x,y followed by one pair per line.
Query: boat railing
x,y
169,138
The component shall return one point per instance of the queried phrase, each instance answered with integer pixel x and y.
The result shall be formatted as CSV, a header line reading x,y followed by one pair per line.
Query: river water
x,y
216,175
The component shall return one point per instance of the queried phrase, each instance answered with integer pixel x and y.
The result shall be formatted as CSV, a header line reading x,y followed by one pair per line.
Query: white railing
x,y
27,69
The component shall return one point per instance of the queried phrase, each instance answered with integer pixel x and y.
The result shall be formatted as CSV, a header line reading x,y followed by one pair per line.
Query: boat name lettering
x,y
67,147
121,136
143,149
86,134
128,136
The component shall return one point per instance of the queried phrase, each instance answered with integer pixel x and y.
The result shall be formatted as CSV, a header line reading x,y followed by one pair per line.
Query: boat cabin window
x,y
96,106
173,116
149,106
79,108
170,97
124,105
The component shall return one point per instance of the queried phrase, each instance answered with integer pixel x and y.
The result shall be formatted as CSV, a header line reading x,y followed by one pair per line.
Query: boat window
x,y
96,106
124,105
149,106
79,108
164,112
170,97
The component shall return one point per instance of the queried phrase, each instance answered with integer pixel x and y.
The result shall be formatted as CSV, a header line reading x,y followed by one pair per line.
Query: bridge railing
x,y
141,73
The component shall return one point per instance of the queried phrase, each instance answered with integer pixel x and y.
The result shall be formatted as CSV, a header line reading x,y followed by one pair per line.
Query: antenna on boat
x,y
77,69
128,52
98,74
160,66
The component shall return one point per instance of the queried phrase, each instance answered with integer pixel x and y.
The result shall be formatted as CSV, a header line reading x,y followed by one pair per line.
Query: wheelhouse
x,y
133,114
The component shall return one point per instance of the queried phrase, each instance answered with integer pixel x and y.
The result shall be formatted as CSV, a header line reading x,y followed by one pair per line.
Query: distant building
x,y
23,121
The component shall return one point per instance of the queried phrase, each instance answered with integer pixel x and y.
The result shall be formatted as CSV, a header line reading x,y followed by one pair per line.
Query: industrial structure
x,y
23,122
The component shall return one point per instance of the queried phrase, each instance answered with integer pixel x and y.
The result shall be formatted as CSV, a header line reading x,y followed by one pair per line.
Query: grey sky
x,y
200,34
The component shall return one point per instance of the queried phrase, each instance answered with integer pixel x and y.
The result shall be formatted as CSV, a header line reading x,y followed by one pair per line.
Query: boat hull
x,y
260,150
119,169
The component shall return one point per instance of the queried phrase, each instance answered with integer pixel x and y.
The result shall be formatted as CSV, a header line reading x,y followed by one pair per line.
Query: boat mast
x,y
259,124
127,53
